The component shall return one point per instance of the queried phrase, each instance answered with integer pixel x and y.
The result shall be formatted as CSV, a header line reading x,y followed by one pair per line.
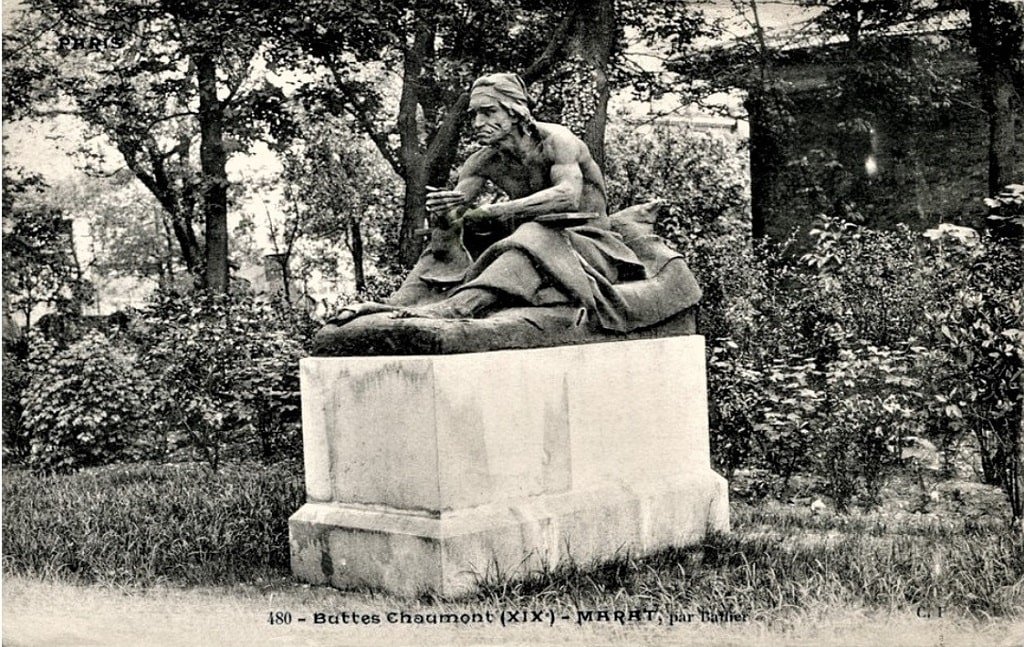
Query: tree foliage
x,y
158,81
338,196
41,270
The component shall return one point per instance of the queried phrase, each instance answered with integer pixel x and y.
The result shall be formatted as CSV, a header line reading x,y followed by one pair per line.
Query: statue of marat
x,y
550,244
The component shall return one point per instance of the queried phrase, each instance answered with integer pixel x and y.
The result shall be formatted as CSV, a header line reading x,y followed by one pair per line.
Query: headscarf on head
x,y
508,90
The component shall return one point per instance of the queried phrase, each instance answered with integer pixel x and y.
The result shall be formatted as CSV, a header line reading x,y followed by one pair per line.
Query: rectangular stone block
x,y
424,471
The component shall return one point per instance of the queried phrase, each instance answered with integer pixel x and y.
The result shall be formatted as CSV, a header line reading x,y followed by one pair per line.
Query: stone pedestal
x,y
435,472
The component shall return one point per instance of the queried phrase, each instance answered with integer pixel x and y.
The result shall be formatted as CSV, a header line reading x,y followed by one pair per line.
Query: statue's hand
x,y
442,199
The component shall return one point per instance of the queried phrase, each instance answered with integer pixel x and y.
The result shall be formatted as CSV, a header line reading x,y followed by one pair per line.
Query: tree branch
x,y
187,113
361,113
549,56
56,112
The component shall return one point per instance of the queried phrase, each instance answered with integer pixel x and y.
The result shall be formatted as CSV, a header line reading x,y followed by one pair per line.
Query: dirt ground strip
x,y
59,615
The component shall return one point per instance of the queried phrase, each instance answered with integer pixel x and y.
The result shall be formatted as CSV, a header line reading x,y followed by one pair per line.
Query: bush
x,y
82,405
17,443
702,177
814,363
225,371
974,356
866,282
868,407
196,376
145,524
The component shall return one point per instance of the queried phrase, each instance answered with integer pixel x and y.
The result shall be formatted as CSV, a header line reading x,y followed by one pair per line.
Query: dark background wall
x,y
888,153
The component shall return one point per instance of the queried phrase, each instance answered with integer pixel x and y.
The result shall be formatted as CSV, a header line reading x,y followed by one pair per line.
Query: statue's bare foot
x,y
441,310
348,313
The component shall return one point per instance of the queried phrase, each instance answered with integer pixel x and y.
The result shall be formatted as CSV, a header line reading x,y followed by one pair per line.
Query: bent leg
x,y
441,267
510,278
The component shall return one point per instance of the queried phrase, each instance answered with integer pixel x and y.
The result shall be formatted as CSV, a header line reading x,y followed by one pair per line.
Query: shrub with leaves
x,y
17,444
866,280
868,407
755,324
83,405
810,367
702,177
974,340
226,370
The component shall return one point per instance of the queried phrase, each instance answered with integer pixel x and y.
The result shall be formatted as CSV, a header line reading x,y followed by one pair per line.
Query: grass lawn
x,y
148,557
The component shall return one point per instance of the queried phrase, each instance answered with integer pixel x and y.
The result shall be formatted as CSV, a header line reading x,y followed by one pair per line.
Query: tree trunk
x,y
356,247
764,141
179,206
1001,138
191,254
215,183
411,150
996,36
763,162
595,40
414,215
286,275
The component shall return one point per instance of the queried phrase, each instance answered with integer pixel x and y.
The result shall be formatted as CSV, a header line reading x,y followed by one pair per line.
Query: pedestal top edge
x,y
683,341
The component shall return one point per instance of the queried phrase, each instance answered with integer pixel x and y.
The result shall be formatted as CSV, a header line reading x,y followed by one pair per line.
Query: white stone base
x,y
409,554
437,472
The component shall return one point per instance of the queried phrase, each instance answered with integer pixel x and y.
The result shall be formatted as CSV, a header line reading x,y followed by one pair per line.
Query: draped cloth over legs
x,y
556,286
614,279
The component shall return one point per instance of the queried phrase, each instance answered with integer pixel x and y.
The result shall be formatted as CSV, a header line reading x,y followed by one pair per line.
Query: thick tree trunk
x,y
764,149
763,162
1001,136
414,215
595,38
996,28
411,149
215,183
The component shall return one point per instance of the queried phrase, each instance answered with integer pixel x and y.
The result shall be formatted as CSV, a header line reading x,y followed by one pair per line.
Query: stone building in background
x,y
891,129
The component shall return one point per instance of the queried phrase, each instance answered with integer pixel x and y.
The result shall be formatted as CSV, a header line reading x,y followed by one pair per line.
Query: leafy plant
x,y
83,405
1007,210
975,343
702,178
227,375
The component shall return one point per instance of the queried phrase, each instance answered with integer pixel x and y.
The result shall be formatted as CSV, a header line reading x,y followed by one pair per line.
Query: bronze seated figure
x,y
547,267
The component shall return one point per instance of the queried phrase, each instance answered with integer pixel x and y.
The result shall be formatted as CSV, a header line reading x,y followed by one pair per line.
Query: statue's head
x,y
499,105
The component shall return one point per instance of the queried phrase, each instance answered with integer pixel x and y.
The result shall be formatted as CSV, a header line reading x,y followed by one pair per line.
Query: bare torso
x,y
526,175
